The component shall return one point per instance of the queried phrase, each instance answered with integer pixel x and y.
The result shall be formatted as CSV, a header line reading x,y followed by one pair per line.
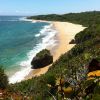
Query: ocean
x,y
20,40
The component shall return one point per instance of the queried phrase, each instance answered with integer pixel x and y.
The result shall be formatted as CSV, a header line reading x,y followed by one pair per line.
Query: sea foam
x,y
48,33
25,19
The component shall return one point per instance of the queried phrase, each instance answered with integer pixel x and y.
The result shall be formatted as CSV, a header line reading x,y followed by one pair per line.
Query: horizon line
x,y
48,13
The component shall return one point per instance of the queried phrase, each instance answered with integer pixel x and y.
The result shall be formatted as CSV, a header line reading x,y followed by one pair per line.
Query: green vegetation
x,y
70,69
42,53
3,79
84,18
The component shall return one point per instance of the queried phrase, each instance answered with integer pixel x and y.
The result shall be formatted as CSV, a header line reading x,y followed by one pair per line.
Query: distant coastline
x,y
34,20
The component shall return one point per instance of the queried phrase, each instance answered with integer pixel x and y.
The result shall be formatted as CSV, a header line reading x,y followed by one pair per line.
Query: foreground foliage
x,y
3,79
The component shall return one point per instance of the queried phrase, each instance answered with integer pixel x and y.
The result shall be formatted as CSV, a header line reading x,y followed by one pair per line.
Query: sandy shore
x,y
66,32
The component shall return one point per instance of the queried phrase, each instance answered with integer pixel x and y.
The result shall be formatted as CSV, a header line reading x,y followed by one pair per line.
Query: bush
x,y
3,79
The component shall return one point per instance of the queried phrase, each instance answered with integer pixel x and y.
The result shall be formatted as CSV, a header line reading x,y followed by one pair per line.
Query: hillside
x,y
67,77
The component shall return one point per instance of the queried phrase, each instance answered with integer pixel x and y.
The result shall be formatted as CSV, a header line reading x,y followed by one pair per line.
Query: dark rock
x,y
42,59
72,41
94,65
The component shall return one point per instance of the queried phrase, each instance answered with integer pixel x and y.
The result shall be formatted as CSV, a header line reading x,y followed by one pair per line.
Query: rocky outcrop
x,y
72,41
94,65
42,59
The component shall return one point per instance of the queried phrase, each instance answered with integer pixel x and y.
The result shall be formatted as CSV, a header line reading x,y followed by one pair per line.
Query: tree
x,y
3,79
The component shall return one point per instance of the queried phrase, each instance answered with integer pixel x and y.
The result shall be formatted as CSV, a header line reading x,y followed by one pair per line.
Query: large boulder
x,y
42,59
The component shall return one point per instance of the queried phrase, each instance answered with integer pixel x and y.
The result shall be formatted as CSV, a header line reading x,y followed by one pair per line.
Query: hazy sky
x,y
33,7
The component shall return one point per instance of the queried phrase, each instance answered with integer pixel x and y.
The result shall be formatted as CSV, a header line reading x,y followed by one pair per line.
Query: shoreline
x,y
34,21
47,34
65,33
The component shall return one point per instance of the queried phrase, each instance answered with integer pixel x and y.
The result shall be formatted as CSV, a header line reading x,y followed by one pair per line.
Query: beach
x,y
65,33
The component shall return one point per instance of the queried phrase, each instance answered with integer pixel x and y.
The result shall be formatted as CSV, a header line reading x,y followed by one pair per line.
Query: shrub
x,y
3,79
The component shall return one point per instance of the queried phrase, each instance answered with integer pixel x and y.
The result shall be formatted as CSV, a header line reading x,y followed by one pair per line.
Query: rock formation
x,y
42,59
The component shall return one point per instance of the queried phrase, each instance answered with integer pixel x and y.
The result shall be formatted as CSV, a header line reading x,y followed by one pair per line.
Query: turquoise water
x,y
17,38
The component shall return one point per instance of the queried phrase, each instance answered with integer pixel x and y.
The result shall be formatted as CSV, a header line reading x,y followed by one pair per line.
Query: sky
x,y
38,7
